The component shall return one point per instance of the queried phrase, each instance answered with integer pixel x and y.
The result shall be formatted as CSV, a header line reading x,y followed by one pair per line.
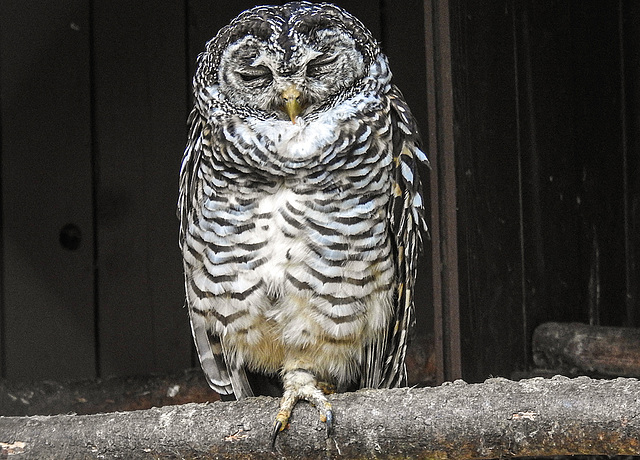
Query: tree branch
x,y
499,418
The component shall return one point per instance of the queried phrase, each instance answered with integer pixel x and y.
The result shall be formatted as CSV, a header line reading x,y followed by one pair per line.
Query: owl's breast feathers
x,y
289,250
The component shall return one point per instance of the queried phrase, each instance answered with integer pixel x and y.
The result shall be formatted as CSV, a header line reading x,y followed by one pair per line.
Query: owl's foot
x,y
301,384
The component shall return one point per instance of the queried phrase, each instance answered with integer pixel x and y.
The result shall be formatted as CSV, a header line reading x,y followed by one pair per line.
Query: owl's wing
x,y
222,377
408,226
210,355
189,170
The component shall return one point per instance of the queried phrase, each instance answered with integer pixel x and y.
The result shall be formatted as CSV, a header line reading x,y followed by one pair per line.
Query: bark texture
x,y
498,418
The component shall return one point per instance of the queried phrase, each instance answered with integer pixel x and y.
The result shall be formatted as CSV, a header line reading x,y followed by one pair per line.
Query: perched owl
x,y
300,208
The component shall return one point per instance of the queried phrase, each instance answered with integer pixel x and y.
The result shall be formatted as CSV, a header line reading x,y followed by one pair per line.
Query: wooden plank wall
x,y
48,290
94,100
631,53
94,103
546,157
140,106
487,177
574,163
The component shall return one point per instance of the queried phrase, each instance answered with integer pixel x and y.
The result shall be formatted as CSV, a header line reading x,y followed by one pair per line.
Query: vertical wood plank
x,y
598,153
631,54
48,308
140,112
443,190
487,174
572,131
556,269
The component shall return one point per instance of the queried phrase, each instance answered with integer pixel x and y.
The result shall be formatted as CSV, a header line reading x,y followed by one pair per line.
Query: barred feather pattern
x,y
300,239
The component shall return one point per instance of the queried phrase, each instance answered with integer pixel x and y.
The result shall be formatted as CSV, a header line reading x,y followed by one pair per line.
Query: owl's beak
x,y
291,102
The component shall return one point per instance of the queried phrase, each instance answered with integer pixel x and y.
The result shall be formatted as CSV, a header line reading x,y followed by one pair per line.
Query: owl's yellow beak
x,y
291,102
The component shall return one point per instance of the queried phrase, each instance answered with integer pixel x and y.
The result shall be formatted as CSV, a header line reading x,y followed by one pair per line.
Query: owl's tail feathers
x,y
239,382
209,351
224,378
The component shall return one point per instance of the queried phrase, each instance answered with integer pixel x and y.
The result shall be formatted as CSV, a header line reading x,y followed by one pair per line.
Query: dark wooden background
x,y
529,110
547,152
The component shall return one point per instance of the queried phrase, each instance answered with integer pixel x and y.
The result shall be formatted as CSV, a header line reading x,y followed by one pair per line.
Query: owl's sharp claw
x,y
329,422
277,428
301,384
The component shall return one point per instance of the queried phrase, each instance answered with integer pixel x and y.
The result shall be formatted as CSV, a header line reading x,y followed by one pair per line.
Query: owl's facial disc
x,y
289,81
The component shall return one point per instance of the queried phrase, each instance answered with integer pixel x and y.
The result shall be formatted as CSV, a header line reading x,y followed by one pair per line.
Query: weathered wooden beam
x,y
575,348
498,418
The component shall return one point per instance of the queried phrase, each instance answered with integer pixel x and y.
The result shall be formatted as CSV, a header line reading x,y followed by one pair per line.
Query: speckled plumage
x,y
300,233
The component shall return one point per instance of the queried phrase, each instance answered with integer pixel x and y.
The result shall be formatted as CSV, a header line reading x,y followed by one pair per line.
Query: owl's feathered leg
x,y
301,384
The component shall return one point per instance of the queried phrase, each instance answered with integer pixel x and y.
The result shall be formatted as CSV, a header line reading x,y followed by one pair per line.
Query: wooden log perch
x,y
578,349
498,418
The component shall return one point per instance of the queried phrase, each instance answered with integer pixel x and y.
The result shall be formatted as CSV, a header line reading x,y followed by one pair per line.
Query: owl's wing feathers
x,y
408,226
188,171
210,354
222,377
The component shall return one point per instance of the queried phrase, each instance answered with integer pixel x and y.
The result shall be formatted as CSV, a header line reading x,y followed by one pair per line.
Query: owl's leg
x,y
301,384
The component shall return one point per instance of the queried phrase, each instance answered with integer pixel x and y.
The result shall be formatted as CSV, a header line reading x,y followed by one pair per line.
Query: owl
x,y
300,206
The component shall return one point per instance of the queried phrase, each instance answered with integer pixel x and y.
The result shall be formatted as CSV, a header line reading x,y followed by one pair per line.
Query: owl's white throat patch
x,y
304,140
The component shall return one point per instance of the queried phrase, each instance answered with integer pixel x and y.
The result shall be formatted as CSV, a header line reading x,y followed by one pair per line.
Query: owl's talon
x,y
329,422
282,419
301,384
277,428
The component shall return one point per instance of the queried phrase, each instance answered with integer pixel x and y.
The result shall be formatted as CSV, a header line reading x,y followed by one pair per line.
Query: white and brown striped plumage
x,y
300,227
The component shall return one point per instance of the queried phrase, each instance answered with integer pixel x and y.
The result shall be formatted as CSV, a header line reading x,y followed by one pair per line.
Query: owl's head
x,y
288,61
